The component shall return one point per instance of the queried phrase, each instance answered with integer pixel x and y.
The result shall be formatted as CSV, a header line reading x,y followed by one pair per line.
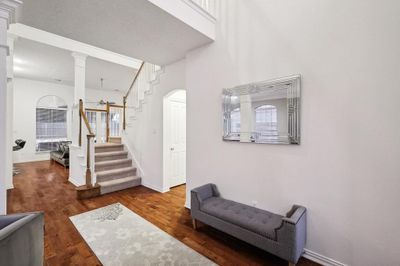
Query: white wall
x,y
144,136
26,94
346,170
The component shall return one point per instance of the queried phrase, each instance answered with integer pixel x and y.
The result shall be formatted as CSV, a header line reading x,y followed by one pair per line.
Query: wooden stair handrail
x,y
134,79
82,115
116,106
127,94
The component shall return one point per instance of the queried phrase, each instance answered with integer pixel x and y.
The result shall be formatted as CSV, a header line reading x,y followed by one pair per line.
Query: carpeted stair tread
x,y
119,184
115,171
106,145
108,156
111,162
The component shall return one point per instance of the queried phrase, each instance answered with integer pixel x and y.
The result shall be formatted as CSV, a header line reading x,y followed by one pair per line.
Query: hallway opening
x,y
174,138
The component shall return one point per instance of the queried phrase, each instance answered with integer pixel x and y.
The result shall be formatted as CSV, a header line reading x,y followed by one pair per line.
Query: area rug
x,y
119,236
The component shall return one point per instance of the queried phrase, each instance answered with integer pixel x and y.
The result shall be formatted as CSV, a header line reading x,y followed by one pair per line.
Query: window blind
x,y
115,123
51,128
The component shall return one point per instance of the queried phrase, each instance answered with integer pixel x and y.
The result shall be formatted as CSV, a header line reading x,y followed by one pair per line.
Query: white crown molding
x,y
51,39
7,9
78,55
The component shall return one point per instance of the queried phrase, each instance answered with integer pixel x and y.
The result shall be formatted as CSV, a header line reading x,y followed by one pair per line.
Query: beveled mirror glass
x,y
263,112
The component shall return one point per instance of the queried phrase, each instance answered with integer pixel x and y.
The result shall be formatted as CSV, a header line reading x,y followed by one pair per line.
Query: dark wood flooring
x,y
44,186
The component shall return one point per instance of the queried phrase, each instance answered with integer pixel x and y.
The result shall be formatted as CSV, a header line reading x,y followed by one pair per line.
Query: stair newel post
x,y
88,190
88,171
108,121
124,114
80,121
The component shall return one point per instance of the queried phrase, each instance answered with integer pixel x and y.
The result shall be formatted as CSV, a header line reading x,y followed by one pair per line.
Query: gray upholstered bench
x,y
283,236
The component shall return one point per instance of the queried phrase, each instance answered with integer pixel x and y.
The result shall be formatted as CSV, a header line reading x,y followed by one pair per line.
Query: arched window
x,y
51,122
266,119
235,120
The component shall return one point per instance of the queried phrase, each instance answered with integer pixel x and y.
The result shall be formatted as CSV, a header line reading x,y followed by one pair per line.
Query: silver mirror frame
x,y
293,86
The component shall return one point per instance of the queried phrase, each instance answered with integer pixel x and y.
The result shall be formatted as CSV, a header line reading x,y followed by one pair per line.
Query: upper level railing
x,y
125,98
207,5
140,86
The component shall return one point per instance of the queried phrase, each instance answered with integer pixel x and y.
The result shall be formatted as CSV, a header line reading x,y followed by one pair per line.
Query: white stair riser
x,y
121,186
109,149
111,157
124,164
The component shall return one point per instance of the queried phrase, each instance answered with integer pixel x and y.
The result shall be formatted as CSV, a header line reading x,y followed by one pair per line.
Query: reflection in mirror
x,y
263,112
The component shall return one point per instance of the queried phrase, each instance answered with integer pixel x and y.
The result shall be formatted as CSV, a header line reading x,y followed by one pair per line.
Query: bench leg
x,y
194,223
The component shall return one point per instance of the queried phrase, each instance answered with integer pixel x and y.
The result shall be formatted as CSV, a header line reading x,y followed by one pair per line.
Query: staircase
x,y
114,170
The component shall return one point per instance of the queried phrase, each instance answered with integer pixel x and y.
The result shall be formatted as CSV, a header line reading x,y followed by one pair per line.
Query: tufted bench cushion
x,y
259,221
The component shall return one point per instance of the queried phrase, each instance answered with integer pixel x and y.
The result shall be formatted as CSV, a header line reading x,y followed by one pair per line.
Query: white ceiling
x,y
135,28
47,63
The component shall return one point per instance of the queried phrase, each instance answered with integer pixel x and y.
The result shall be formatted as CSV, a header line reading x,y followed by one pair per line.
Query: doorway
x,y
174,139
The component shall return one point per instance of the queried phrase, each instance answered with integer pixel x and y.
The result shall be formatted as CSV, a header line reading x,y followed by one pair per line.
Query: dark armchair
x,y
61,155
22,239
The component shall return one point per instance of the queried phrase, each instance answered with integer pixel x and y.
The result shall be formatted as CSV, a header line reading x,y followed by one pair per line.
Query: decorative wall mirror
x,y
263,112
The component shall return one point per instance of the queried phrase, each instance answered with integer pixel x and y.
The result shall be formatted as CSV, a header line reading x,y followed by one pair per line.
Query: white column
x,y
10,112
80,76
7,10
79,92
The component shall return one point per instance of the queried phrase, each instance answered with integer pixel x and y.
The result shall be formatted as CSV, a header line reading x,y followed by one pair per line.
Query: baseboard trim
x,y
321,259
31,160
161,190
73,182
187,205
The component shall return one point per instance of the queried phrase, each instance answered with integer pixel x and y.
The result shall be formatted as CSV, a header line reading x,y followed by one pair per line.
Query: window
x,y
103,127
235,120
266,119
91,116
115,125
51,123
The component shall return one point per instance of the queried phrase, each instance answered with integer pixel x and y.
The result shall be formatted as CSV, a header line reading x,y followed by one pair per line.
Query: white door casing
x,y
175,139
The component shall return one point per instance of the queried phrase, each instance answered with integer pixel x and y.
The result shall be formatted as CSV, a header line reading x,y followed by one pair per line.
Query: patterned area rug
x,y
119,236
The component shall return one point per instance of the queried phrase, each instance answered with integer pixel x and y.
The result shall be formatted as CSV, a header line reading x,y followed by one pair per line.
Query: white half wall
x,y
346,170
144,135
26,95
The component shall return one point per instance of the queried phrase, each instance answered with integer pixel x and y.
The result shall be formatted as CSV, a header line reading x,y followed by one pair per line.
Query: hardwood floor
x,y
44,186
